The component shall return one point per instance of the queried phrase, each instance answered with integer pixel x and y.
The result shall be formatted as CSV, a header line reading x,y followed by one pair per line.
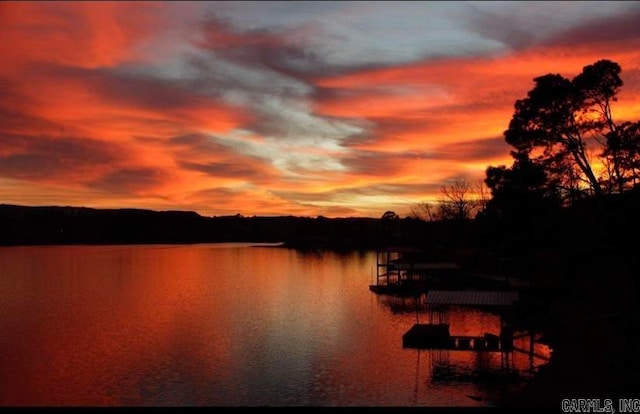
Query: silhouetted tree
x,y
390,215
423,211
519,192
456,202
459,201
621,157
482,196
390,226
558,119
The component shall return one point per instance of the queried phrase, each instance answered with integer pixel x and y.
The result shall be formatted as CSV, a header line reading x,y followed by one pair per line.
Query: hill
x,y
27,225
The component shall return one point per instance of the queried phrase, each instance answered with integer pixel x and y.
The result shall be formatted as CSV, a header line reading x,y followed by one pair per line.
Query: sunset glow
x,y
280,108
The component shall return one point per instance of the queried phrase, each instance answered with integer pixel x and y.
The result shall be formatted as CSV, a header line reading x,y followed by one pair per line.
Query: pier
x,y
436,335
430,336
400,271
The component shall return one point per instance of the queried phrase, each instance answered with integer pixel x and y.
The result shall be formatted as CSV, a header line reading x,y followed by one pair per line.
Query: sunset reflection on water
x,y
213,325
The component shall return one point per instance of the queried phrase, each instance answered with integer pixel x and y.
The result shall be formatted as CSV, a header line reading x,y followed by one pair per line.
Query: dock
x,y
491,298
399,270
435,334
404,270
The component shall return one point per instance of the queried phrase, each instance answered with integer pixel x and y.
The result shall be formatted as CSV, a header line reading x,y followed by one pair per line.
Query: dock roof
x,y
472,297
407,265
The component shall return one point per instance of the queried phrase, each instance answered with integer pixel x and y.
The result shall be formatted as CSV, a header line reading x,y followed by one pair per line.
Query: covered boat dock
x,y
399,269
435,334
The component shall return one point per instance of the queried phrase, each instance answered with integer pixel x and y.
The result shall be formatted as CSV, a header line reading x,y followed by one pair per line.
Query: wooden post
x,y
531,349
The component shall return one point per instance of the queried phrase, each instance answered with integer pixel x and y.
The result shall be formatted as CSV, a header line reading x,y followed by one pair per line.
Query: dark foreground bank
x,y
591,321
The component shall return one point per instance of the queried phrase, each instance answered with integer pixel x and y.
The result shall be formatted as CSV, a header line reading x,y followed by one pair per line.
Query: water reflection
x,y
494,369
210,325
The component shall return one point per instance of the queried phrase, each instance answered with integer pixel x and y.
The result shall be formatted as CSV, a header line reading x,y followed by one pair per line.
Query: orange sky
x,y
278,108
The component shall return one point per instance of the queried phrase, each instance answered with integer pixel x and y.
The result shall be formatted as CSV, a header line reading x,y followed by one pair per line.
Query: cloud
x,y
230,67
419,105
273,158
246,200
78,162
380,163
218,157
17,122
131,180
397,197
522,25
119,88
599,31
338,195
44,158
274,48
351,35
82,34
364,35
224,169
82,94
474,150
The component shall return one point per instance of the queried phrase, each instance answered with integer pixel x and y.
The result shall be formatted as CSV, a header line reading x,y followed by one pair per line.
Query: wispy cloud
x,y
43,158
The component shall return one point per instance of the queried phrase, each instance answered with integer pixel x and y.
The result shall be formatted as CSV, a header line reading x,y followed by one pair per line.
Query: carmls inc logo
x,y
597,405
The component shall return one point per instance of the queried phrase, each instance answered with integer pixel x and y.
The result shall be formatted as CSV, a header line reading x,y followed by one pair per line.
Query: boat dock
x,y
405,271
439,286
399,270
435,334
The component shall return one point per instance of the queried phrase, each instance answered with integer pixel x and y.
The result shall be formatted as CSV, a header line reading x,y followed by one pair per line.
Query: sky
x,y
339,109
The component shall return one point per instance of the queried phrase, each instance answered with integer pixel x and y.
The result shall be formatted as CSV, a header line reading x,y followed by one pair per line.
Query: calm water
x,y
218,324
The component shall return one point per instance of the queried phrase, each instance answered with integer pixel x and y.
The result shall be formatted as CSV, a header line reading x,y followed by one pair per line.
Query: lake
x,y
220,325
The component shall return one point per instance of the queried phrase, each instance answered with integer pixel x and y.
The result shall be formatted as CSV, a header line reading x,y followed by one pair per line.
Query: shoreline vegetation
x,y
580,261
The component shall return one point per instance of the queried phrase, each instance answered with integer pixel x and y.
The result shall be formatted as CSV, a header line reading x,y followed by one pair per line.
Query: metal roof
x,y
472,297
424,266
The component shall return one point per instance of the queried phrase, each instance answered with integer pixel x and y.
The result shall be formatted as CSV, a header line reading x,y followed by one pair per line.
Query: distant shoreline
x,y
25,225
